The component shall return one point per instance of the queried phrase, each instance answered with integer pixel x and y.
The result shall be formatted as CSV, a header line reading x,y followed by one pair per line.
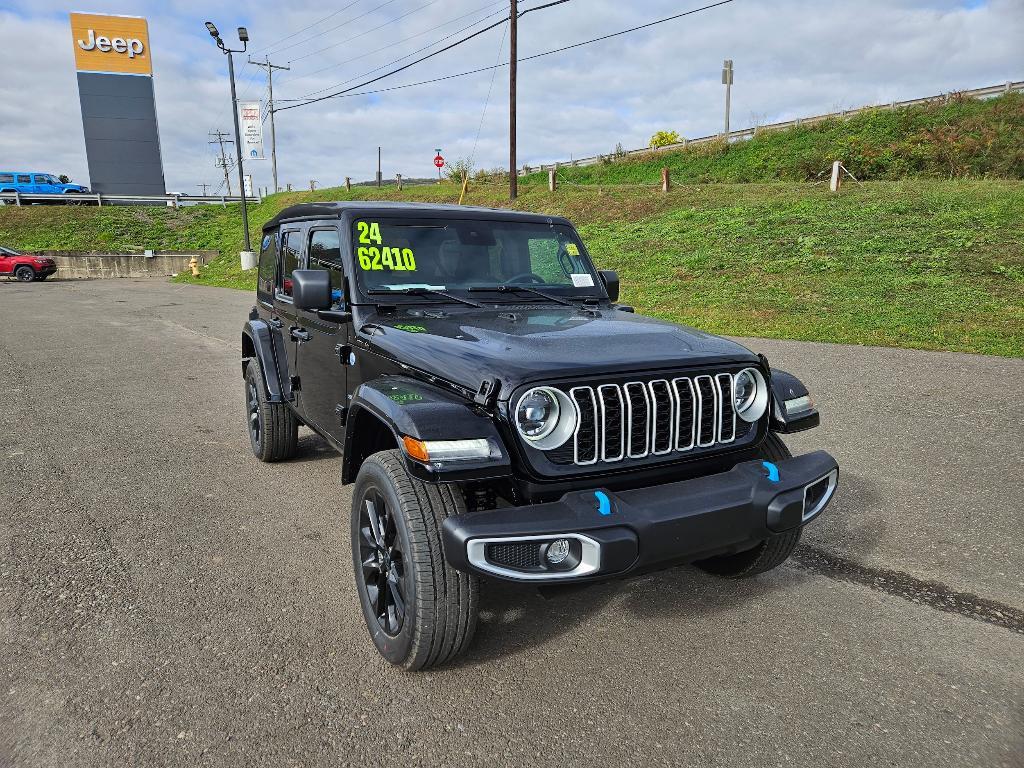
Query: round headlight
x,y
545,417
749,394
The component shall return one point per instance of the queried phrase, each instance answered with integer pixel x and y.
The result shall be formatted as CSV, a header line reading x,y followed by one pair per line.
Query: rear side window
x,y
290,245
6,178
26,179
268,263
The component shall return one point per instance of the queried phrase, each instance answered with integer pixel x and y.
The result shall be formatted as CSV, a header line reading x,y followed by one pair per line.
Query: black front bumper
x,y
627,531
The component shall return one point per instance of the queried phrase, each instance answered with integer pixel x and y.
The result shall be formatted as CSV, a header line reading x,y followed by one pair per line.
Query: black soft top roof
x,y
335,210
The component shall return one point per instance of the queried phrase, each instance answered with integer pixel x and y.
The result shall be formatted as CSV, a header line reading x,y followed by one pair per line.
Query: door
x,y
283,320
6,261
44,184
321,367
25,183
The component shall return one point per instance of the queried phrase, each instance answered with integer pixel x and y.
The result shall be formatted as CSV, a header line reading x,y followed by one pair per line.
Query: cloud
x,y
792,58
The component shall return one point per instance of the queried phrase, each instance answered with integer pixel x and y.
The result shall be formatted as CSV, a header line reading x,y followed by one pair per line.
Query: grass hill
x,y
961,138
911,259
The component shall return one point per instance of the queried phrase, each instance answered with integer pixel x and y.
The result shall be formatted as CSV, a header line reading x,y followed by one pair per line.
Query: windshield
x,y
459,255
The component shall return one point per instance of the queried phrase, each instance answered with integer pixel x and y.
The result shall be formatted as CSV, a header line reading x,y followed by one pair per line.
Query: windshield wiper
x,y
425,292
521,288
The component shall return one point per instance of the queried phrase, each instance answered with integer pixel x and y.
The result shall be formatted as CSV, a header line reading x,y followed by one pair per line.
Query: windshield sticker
x,y
582,281
394,259
573,250
369,232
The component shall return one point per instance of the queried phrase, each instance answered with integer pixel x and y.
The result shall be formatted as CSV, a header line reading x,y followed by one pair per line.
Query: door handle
x,y
300,335
275,322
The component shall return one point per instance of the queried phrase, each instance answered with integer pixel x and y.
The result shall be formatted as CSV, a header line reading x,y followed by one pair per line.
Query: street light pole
x,y
243,36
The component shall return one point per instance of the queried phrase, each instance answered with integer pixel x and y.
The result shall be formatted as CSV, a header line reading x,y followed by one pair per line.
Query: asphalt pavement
x,y
165,599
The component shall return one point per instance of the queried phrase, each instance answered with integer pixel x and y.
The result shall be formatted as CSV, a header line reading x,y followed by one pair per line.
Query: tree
x,y
664,138
64,179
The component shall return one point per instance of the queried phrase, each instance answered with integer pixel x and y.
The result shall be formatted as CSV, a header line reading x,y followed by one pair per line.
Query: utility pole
x,y
221,139
727,82
204,186
380,176
270,108
513,173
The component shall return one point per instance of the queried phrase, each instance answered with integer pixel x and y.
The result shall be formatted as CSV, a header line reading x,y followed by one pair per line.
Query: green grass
x,y
919,263
964,138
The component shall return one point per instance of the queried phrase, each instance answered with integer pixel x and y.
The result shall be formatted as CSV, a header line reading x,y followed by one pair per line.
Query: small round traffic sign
x,y
439,161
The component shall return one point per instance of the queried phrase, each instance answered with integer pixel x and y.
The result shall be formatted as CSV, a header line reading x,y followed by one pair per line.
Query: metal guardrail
x,y
96,198
749,133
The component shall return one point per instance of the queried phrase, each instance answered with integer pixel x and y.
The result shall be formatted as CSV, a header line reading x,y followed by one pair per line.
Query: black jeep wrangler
x,y
503,417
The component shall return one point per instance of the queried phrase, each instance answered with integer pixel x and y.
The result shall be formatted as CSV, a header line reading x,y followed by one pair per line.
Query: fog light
x,y
557,551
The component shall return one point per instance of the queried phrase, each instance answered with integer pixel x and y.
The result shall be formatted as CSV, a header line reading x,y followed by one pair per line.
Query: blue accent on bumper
x,y
604,504
773,471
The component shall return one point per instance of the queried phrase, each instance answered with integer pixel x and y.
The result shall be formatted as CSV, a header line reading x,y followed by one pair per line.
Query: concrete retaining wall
x,y
79,265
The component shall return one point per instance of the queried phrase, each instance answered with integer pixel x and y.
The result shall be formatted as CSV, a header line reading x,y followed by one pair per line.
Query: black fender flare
x,y
423,411
256,337
787,387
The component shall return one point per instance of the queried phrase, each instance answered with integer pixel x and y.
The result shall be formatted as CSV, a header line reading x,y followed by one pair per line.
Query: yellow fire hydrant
x,y
194,266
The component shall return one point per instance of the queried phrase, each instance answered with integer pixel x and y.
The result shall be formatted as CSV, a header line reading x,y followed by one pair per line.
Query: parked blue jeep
x,y
27,183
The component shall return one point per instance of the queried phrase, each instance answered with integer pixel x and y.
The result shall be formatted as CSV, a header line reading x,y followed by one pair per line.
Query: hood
x,y
533,343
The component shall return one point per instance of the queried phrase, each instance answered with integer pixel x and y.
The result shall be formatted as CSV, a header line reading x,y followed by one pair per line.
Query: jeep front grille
x,y
651,418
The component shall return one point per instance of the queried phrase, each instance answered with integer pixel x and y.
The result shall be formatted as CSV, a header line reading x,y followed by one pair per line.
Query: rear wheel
x,y
25,274
770,553
420,611
273,427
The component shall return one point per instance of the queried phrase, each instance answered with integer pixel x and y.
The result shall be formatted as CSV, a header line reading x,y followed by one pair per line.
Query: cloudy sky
x,y
792,58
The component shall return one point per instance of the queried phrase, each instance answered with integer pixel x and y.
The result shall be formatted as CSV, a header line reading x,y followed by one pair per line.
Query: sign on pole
x,y
252,130
248,185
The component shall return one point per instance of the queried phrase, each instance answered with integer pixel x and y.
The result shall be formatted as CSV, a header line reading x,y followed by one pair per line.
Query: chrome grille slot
x,y
727,412
662,417
613,425
638,430
686,403
585,437
707,411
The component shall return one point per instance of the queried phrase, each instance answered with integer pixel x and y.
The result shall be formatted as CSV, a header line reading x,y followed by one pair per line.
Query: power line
x,y
399,42
483,114
314,24
362,34
350,92
336,27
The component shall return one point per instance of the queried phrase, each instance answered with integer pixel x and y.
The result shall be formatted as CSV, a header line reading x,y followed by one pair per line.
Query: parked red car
x,y
25,267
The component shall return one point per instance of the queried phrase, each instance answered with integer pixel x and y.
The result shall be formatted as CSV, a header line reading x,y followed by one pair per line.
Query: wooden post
x,y
348,183
399,177
836,181
289,187
513,178
465,186
665,182
552,180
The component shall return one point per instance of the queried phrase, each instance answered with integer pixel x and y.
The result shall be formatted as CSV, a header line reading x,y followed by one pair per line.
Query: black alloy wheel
x,y
252,402
25,274
383,572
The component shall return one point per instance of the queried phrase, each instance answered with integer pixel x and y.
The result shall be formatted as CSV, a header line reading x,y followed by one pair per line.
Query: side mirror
x,y
611,283
311,289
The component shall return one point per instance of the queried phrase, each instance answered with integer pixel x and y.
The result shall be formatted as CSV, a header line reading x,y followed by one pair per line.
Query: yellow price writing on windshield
x,y
369,232
394,259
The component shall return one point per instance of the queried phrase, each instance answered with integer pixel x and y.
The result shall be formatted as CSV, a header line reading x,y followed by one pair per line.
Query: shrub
x,y
664,139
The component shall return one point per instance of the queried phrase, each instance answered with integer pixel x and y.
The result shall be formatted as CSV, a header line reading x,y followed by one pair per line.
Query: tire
x,y
420,611
273,427
24,274
770,553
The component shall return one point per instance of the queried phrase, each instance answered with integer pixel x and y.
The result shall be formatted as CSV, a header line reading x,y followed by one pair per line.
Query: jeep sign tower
x,y
115,87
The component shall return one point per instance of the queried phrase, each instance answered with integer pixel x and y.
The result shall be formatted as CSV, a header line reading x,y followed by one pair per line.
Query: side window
x,y
41,180
290,244
325,253
6,178
24,179
268,263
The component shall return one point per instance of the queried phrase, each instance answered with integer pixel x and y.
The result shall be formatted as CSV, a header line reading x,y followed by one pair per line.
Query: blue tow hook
x,y
773,471
604,504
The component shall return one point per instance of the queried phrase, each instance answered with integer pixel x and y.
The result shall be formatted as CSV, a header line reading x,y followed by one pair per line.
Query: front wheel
x,y
768,554
420,611
25,274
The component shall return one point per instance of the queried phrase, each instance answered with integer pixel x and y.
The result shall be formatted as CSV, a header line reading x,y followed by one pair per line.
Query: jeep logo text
x,y
133,46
